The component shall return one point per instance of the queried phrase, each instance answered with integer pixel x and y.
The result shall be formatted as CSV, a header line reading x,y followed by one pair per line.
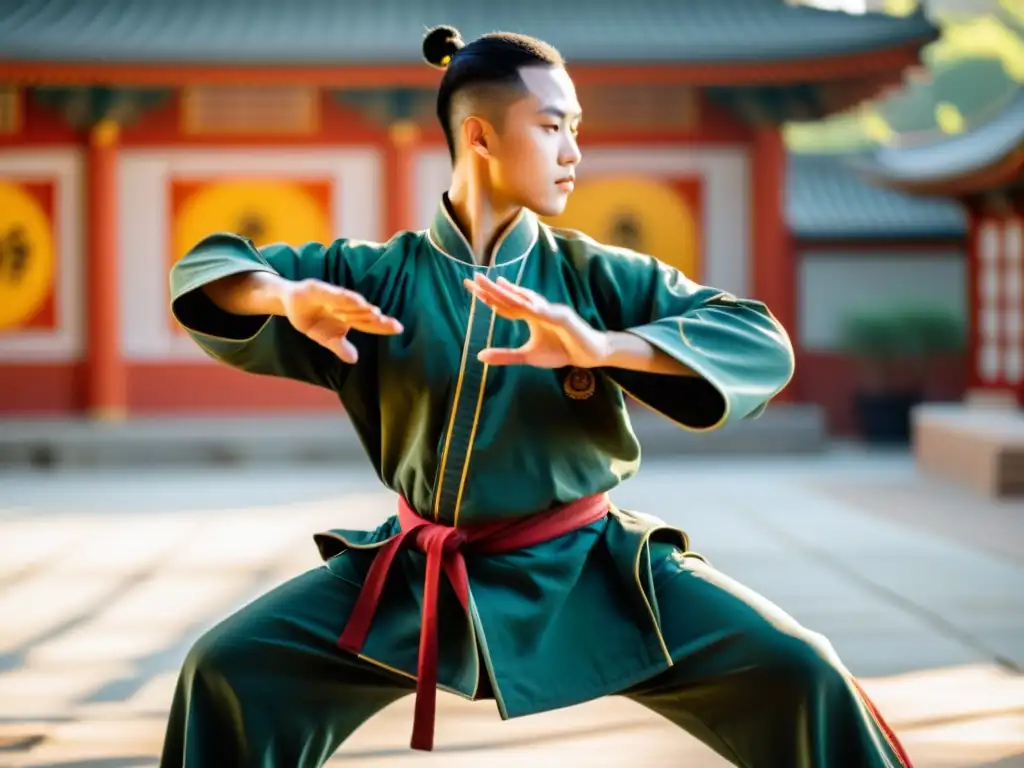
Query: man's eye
x,y
553,128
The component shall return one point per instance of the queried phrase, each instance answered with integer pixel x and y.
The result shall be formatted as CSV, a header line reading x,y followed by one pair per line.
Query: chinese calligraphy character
x,y
626,232
14,254
252,227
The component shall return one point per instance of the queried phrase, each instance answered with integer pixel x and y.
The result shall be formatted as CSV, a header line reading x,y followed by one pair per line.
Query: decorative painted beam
x,y
84,107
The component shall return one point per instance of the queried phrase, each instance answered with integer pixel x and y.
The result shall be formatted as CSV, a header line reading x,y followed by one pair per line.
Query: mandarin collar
x,y
514,242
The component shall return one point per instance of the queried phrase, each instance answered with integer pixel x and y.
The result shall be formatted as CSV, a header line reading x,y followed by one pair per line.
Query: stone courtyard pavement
x,y
106,577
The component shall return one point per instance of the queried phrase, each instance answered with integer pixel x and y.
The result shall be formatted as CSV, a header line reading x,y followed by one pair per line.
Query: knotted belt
x,y
444,546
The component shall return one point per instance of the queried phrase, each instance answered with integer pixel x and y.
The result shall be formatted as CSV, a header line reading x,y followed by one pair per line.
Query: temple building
x,y
982,167
125,138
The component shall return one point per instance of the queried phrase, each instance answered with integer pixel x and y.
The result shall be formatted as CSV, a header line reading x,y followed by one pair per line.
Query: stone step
x,y
975,445
782,429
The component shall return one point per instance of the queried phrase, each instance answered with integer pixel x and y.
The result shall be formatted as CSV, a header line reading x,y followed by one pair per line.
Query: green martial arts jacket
x,y
565,621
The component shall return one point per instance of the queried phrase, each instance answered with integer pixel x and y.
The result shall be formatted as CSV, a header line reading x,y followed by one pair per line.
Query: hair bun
x,y
440,44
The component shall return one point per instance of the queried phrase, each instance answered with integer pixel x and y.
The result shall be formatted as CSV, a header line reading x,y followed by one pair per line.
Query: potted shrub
x,y
933,332
895,350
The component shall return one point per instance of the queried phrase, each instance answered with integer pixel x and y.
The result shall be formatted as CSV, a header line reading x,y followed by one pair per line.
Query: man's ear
x,y
477,132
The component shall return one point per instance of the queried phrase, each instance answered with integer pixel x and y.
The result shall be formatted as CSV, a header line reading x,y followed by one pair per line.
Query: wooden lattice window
x,y
253,111
10,110
999,265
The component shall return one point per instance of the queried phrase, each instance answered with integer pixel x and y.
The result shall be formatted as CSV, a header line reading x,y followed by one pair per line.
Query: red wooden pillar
x,y
105,376
400,190
771,251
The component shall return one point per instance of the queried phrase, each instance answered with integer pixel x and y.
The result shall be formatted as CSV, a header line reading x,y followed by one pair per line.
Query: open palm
x,y
559,337
326,313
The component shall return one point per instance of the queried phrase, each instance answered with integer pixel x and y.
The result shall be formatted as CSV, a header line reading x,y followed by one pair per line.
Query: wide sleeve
x,y
741,353
267,345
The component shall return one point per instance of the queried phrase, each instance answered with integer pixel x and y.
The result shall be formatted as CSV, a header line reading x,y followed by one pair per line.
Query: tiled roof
x,y
957,155
827,200
334,32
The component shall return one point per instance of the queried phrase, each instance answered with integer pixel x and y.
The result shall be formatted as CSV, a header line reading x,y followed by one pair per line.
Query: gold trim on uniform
x,y
655,624
480,399
472,432
454,410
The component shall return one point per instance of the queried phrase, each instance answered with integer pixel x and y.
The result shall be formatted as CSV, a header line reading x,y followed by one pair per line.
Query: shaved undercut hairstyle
x,y
481,77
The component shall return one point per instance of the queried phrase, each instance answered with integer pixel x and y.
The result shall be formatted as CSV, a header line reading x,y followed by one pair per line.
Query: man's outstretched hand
x,y
559,337
326,313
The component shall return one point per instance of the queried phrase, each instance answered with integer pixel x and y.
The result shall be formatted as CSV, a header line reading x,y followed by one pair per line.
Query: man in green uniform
x,y
483,364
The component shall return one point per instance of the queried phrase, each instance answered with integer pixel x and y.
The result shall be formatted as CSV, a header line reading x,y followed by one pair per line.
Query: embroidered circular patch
x,y
580,384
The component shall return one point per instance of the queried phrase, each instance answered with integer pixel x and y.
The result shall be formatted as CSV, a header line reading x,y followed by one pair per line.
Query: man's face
x,y
533,162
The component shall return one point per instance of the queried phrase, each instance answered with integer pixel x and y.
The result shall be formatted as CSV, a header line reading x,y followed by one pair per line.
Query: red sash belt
x,y
443,546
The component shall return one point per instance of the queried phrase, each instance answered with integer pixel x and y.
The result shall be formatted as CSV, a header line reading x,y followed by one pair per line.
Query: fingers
x,y
346,350
379,325
514,302
339,345
518,290
339,299
505,303
355,311
487,289
496,356
328,312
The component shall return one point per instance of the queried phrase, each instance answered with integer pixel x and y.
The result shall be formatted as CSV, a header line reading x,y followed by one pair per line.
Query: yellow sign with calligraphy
x,y
27,259
264,210
658,217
